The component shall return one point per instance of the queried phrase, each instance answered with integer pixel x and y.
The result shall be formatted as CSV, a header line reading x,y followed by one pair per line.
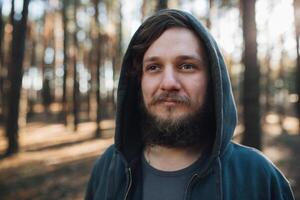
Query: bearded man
x,y
175,119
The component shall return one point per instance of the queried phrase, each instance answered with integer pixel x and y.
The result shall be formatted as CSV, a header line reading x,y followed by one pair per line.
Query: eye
x,y
187,66
152,68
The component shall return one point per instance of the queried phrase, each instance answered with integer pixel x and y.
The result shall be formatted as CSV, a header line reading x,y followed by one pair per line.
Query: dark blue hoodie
x,y
231,171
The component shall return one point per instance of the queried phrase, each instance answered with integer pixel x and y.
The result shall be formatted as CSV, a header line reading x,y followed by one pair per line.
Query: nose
x,y
170,80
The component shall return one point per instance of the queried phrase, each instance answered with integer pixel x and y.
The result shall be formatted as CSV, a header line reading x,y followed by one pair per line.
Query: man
x,y
174,124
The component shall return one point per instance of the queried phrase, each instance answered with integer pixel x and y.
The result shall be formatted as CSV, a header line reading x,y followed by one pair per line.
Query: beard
x,y
193,130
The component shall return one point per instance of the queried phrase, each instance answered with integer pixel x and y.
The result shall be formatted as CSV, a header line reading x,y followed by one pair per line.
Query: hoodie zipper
x,y
129,184
192,180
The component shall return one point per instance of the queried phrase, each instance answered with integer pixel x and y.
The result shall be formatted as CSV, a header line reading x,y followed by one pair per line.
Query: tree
x,y
119,50
65,60
48,37
1,62
98,56
15,72
281,94
75,81
251,90
268,79
209,15
33,62
297,30
1,30
161,4
143,9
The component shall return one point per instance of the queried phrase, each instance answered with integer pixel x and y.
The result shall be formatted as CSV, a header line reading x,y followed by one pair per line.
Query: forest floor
x,y
55,162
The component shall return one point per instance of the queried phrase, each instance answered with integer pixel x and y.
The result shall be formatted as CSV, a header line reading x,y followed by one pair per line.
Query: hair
x,y
152,28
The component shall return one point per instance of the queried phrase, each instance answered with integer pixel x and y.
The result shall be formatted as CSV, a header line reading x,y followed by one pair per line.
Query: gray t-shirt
x,y
163,185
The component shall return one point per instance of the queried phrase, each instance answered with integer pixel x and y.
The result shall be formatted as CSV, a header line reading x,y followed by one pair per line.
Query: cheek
x,y
198,90
147,89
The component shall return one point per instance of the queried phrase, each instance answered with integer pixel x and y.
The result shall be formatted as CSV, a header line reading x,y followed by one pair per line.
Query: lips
x,y
170,102
170,99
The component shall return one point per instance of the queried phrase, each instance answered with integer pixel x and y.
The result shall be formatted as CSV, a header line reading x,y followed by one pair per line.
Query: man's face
x,y
174,77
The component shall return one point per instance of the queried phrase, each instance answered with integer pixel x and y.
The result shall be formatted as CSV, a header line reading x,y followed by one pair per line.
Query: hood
x,y
128,139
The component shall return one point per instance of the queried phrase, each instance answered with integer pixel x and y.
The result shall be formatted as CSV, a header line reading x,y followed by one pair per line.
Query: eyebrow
x,y
151,58
181,57
190,57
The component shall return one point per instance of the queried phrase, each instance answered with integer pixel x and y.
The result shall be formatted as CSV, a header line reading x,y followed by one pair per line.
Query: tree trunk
x,y
268,77
209,14
46,90
1,33
282,91
252,134
297,29
33,62
15,73
98,65
75,81
1,64
89,92
54,62
119,53
143,9
98,95
161,4
65,61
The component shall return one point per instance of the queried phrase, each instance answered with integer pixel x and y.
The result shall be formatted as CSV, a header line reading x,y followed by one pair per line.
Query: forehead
x,y
176,41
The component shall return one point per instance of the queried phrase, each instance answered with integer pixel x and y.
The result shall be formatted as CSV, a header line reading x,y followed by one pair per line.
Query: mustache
x,y
170,96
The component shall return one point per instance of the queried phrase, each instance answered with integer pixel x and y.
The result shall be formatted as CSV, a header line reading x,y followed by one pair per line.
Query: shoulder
x,y
98,178
249,157
103,161
106,156
251,154
252,166
248,153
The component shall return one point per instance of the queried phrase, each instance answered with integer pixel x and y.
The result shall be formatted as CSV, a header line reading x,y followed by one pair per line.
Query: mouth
x,y
169,102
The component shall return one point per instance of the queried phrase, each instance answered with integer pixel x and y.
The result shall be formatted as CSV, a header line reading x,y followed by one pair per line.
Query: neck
x,y
171,159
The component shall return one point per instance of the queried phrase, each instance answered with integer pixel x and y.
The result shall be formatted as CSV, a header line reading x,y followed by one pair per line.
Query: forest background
x,y
59,67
